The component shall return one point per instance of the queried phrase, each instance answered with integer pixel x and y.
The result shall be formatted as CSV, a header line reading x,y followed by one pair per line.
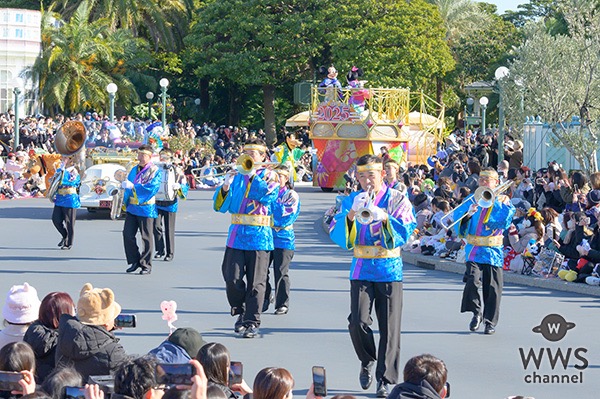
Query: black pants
x,y
165,238
387,298
64,221
245,296
144,225
281,259
492,279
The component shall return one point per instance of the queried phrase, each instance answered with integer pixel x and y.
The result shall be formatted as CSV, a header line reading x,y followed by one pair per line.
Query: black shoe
x,y
489,329
145,270
382,389
365,376
168,258
159,255
66,247
134,266
251,331
62,242
475,323
238,327
281,310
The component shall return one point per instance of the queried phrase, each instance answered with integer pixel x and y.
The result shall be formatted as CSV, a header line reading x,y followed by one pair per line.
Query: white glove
x,y
313,151
359,201
228,179
127,185
176,186
378,213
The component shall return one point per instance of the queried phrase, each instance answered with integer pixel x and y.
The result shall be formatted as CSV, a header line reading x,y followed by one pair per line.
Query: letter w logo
x,y
553,328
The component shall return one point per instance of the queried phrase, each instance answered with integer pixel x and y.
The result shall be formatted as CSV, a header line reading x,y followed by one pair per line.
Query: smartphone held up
x,y
9,381
319,381
235,373
175,374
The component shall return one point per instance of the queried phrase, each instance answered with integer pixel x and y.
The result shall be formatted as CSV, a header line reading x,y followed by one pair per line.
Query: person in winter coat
x,y
425,377
42,335
180,347
19,311
86,342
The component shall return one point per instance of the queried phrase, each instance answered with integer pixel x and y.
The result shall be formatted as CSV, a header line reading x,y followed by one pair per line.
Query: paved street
x,y
315,330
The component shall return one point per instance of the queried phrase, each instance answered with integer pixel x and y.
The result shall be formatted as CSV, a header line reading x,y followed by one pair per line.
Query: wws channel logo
x,y
554,328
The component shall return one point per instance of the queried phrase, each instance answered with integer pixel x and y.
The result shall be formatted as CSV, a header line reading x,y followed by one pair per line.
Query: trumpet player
x,y
66,203
249,198
375,223
483,230
141,187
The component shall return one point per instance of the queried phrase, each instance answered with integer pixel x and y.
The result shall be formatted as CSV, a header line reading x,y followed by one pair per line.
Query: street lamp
x,y
164,83
111,88
483,101
501,73
149,97
17,93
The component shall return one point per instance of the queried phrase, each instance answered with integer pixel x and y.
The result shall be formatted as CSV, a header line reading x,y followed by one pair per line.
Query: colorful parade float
x,y
347,123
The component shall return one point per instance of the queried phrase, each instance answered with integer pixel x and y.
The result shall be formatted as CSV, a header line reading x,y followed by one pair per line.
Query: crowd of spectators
x,y
555,231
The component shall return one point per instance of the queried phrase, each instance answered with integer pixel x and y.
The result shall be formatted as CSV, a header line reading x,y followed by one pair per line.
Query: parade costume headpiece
x,y
145,152
369,167
255,147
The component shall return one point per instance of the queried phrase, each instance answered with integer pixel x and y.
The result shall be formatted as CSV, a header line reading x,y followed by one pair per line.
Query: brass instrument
x,y
484,197
68,141
364,214
118,195
244,165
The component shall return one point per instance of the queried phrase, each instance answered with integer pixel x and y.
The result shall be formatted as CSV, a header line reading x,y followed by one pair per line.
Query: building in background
x,y
20,46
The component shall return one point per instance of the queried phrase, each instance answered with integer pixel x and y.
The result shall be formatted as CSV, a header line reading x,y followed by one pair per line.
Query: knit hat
x,y
97,306
521,204
189,339
22,305
593,197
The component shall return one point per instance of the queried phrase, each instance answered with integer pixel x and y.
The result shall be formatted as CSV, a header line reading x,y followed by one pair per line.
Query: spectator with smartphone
x,y
215,360
425,377
42,335
180,347
273,383
86,341
20,309
59,379
18,357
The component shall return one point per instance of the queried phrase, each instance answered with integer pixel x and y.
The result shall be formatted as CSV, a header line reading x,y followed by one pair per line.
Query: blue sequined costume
x,y
285,212
140,200
68,187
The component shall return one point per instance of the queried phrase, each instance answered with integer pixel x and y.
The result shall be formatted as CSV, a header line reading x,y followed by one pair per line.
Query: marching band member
x,y
249,199
376,271
167,211
484,229
285,212
288,153
66,203
141,186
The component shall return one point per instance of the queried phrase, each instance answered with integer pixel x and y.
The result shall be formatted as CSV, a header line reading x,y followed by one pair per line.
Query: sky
x,y
504,5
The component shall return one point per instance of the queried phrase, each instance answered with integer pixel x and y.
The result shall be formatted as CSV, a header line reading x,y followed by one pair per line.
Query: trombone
x,y
364,214
244,165
484,197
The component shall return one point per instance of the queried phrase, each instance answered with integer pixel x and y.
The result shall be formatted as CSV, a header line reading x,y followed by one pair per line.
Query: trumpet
x,y
244,165
364,214
484,197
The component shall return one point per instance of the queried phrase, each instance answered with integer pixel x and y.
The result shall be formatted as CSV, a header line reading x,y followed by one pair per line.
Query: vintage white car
x,y
97,184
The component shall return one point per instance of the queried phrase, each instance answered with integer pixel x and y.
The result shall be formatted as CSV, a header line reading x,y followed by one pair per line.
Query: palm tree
x,y
79,58
461,17
163,22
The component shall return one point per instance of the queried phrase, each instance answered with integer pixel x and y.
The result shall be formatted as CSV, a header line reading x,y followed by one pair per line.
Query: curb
x,y
435,263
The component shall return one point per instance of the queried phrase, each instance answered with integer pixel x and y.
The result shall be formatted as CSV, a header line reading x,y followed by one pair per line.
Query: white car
x,y
97,184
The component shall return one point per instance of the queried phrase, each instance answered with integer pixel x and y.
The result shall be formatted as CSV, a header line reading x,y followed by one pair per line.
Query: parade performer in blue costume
x,y
376,271
285,212
141,187
164,238
66,203
249,199
483,230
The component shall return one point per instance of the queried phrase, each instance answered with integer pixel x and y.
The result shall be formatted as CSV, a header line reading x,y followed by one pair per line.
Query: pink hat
x,y
22,305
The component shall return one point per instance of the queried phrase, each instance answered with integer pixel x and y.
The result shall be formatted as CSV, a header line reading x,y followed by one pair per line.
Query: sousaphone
x,y
68,141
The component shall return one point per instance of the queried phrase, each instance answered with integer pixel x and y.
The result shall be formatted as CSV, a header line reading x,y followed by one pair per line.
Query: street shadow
x,y
35,213
201,288
179,311
52,259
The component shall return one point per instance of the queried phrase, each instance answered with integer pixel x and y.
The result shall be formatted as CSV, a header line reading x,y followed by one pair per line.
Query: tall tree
x,y
559,77
78,60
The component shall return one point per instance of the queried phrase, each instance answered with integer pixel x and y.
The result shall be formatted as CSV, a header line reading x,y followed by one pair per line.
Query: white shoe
x,y
592,280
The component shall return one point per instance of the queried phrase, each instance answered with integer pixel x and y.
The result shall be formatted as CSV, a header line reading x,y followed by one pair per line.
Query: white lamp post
x,y
501,73
17,93
483,101
149,97
111,88
164,83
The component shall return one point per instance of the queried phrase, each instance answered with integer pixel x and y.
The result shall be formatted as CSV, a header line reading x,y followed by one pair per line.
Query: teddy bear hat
x,y
22,304
97,306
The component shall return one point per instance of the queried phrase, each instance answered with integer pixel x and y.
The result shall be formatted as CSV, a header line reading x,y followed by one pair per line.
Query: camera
x,y
9,381
74,393
319,381
235,373
126,321
174,374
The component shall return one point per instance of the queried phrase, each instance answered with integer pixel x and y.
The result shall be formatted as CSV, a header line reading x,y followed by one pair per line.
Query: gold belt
x,y
134,201
375,252
250,220
290,227
67,191
489,241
